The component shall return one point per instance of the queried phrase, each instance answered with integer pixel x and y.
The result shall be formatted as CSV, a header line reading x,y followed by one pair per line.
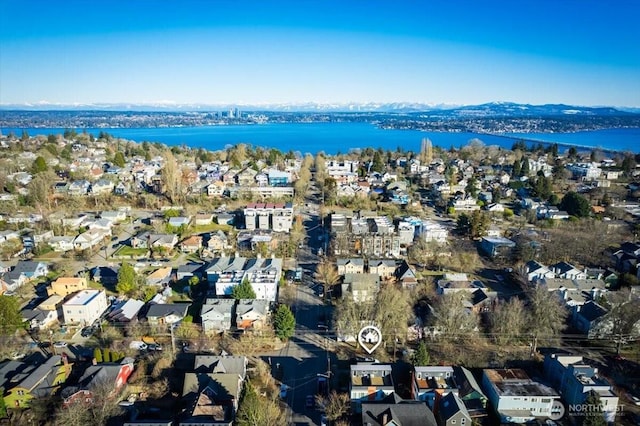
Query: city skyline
x,y
431,52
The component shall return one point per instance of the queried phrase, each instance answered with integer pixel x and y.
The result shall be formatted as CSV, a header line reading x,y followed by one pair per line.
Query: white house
x,y
85,307
517,398
90,239
61,244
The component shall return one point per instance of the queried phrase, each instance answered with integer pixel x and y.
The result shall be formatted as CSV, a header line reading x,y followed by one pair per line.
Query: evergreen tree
x,y
517,169
593,416
39,165
3,406
10,318
284,323
118,159
575,204
378,165
421,356
243,290
126,279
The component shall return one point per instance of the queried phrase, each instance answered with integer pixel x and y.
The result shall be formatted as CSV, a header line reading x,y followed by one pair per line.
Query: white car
x,y
60,345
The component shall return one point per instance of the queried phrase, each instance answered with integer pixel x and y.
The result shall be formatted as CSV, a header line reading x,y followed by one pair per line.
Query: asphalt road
x,y
307,354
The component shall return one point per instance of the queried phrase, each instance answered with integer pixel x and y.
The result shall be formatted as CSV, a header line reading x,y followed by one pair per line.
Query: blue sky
x,y
582,52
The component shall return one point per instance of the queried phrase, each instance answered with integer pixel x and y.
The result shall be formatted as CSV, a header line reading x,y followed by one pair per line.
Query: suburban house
x,y
31,269
101,378
102,186
42,381
191,244
91,238
167,313
574,377
431,383
228,364
217,315
62,243
177,222
517,398
567,271
149,240
393,410
470,393
252,314
350,266
105,275
451,411
224,273
406,276
218,242
114,215
496,246
454,282
537,271
203,219
386,268
361,287
85,307
369,382
188,270
160,276
65,286
587,316
433,231
213,397
125,311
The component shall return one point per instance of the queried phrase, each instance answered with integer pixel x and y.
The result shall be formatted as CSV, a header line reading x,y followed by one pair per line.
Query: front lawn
x,y
127,251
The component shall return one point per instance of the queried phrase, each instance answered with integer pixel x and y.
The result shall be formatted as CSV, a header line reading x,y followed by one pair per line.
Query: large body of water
x,y
333,138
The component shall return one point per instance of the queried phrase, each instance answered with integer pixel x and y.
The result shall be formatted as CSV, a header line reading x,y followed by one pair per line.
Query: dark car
x,y
154,347
87,331
310,401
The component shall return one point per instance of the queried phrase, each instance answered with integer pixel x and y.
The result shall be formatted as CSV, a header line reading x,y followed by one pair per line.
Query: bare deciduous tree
x,y
327,274
335,405
508,322
392,313
547,315
452,318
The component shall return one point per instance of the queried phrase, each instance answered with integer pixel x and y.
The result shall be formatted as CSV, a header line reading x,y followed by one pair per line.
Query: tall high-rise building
x,y
426,152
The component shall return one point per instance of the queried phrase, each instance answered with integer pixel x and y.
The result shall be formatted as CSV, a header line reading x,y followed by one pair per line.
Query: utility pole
x,y
173,338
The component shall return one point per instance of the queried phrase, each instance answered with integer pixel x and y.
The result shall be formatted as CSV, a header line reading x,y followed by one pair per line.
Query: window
x,y
20,392
453,422
463,421
545,400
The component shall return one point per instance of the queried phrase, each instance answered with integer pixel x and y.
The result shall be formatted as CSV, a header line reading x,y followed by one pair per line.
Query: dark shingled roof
x,y
405,413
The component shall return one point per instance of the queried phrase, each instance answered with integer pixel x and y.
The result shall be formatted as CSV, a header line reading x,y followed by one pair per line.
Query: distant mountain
x,y
509,109
493,109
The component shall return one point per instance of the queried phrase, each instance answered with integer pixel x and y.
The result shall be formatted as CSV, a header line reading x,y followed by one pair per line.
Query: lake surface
x,y
333,138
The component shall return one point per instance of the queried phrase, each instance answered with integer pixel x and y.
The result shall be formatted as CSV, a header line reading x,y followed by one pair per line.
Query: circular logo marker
x,y
557,410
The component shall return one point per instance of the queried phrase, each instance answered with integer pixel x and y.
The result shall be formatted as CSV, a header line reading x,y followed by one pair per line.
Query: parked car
x,y
87,332
310,401
283,390
154,347
60,345
137,344
323,420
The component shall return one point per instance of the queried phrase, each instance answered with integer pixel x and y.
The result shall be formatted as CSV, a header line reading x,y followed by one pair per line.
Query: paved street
x,y
306,355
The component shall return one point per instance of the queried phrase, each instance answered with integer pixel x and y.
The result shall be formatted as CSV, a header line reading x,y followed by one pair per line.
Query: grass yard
x,y
130,252
213,227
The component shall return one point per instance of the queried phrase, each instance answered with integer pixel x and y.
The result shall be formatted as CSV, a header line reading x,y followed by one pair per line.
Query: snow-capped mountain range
x,y
492,109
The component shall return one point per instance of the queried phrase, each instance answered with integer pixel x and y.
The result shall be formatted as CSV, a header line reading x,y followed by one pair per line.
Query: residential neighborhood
x,y
156,285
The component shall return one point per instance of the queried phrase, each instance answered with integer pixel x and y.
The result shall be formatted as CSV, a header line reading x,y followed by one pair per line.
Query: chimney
x,y
385,418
